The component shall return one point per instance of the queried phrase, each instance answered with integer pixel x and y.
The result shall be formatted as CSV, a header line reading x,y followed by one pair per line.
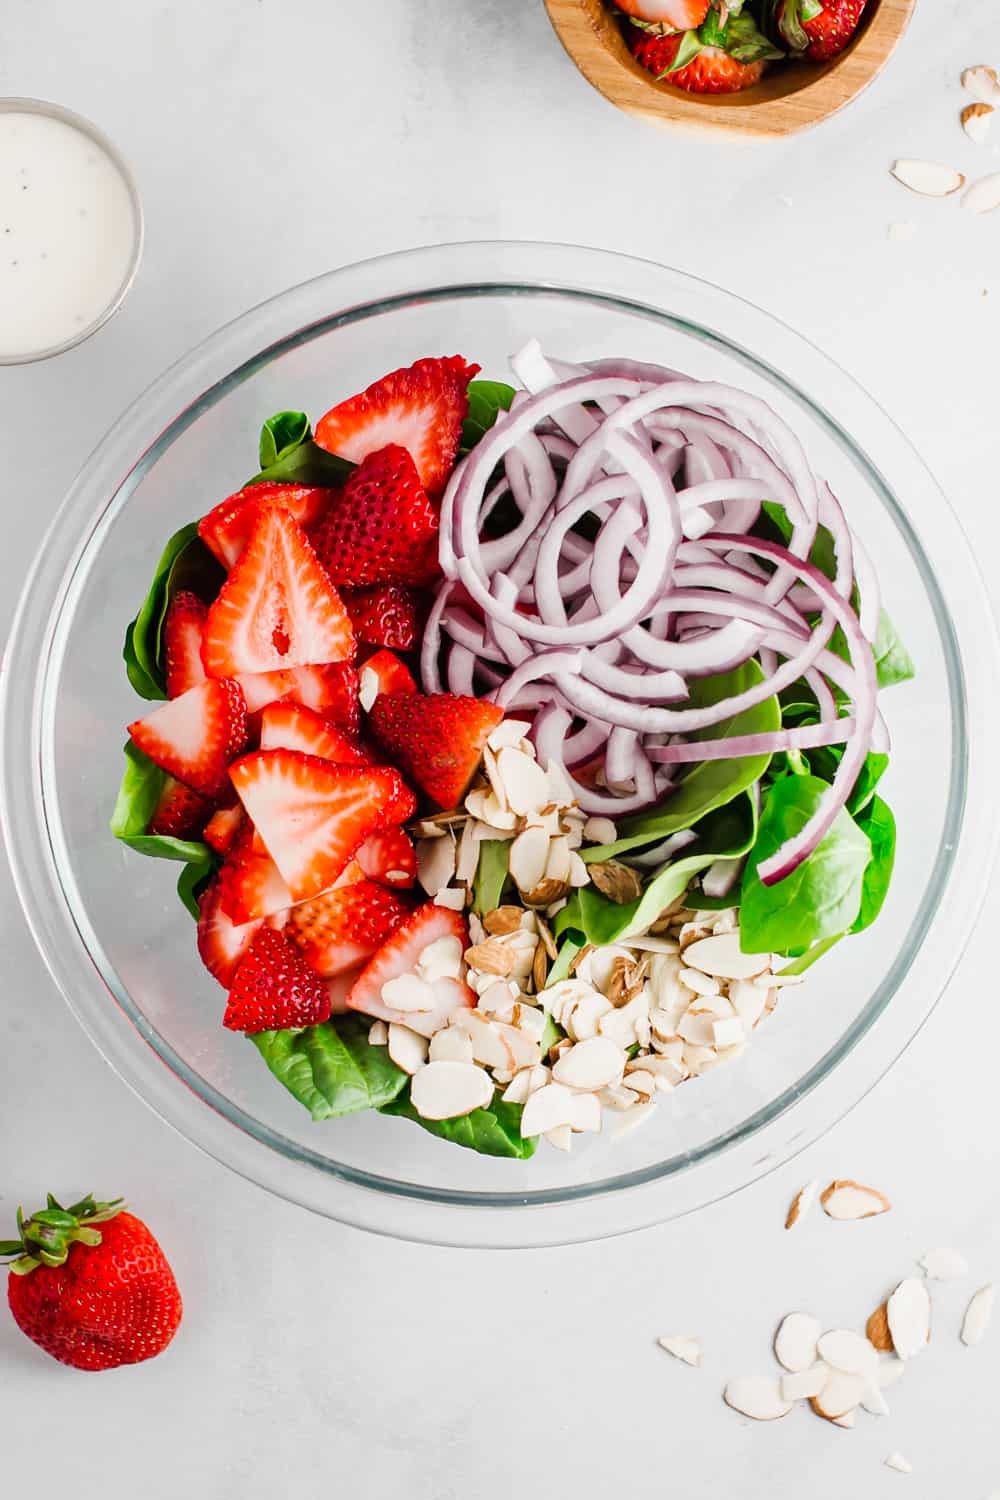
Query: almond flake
x,y
618,882
368,688
546,893
804,1383
983,196
847,1420
944,1265
445,1090
557,866
560,1136
757,1396
728,1032
899,1463
450,1045
874,1402
849,1352
591,1064
840,1395
877,1330
976,122
441,959
687,1350
436,862
484,806
503,920
846,1199
527,856
982,84
908,1312
801,1203
929,178
453,900
889,1371
525,783
491,957
977,1315
510,732
407,1050
378,1034
547,1109
795,1342
722,957
600,831
586,1113
408,992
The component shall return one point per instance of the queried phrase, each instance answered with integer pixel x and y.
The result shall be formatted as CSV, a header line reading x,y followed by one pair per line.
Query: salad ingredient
x,y
899,1463
832,28
757,1396
388,856
795,1343
687,1350
407,1048
382,528
805,1383
250,883
848,1352
290,726
682,15
383,673
277,609
445,1090
944,1265
343,928
929,178
977,1315
312,815
193,738
227,529
877,1330
436,740
801,1203
711,70
406,953
183,625
908,1314
275,988
982,83
91,1286
387,615
420,409
977,120
983,197
180,813
492,1131
222,943
845,1199
222,828
184,561
332,1069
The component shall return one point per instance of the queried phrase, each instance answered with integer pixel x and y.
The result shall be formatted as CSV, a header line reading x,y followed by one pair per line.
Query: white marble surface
x,y
272,141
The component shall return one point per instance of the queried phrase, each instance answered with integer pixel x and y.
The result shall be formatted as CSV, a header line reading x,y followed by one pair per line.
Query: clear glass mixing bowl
x,y
122,949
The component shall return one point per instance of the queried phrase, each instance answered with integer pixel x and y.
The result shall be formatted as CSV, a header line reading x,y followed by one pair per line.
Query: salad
x,y
723,46
518,746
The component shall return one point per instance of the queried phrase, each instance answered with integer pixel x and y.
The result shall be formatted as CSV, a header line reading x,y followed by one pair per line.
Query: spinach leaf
x,y
487,399
280,434
711,783
824,762
812,955
823,896
893,663
332,1068
568,949
879,826
491,875
138,795
191,882
492,1131
186,563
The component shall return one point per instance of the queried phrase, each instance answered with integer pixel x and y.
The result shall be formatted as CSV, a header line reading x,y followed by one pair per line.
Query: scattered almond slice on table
x,y
977,1315
846,1199
930,179
899,1463
801,1203
982,83
977,120
687,1350
908,1313
877,1331
757,1396
944,1265
796,1340
983,197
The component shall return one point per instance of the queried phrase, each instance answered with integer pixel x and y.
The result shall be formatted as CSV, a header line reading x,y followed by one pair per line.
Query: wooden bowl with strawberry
x,y
752,67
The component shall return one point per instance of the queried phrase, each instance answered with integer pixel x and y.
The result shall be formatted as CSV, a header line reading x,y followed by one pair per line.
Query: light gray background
x,y
274,140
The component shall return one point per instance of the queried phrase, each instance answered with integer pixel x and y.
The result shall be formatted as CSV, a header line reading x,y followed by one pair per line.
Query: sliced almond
x,y
618,882
486,808
508,732
586,1113
877,1330
976,122
491,957
557,866
547,1109
908,1312
846,1199
527,857
889,1371
977,1315
687,1350
368,688
407,1050
804,1383
899,1463
503,920
524,782
795,1341
757,1396
450,1045
840,1394
801,1203
600,831
591,1064
445,1090
944,1265
983,196
378,1034
453,899
981,82
929,178
848,1352
721,956
441,959
546,893
874,1402
436,862
560,1136
408,992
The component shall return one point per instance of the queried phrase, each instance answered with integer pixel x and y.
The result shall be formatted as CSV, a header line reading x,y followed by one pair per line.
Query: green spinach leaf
x,y
138,795
812,955
823,896
879,826
487,399
492,1131
289,455
280,434
893,663
332,1069
185,563
491,875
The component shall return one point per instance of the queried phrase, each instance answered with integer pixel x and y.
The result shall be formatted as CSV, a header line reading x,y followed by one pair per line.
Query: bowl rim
x,y
34,840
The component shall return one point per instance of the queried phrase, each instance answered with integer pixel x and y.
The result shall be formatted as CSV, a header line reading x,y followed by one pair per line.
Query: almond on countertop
x,y
795,1341
929,178
757,1396
801,1203
908,1312
983,197
877,1331
846,1199
977,120
687,1350
982,83
977,1315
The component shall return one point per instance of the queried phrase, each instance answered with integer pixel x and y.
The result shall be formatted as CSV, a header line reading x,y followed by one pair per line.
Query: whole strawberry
x,y
92,1297
817,29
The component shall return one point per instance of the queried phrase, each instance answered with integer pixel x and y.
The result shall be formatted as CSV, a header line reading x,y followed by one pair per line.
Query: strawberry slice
x,y
383,673
250,883
437,741
277,608
222,827
421,408
226,529
195,737
389,857
343,928
312,815
221,943
274,988
388,615
398,956
382,528
681,15
290,726
331,690
182,634
180,812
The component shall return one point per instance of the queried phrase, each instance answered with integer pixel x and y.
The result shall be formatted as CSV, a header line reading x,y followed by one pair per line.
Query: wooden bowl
x,y
789,97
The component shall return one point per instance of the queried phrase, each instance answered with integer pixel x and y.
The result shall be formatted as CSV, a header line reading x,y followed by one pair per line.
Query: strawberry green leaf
x,y
492,1131
332,1069
689,48
746,43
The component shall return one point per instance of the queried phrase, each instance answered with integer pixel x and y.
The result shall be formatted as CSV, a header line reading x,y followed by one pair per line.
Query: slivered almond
x,y
943,1265
721,956
757,1396
687,1350
444,1090
618,882
846,1199
908,1312
407,1050
527,857
877,1330
803,1384
929,178
983,196
840,1395
848,1352
539,968
801,1204
503,920
977,1316
546,891
981,82
795,1342
976,121
491,957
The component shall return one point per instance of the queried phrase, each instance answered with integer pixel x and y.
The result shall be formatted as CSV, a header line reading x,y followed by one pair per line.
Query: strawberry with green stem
x,y
724,55
808,28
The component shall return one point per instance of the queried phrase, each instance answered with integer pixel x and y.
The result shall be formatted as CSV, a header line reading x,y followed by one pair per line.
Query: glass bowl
x,y
122,949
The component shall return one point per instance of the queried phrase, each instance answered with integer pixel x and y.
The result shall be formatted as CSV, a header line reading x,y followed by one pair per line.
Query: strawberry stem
x,y
45,1238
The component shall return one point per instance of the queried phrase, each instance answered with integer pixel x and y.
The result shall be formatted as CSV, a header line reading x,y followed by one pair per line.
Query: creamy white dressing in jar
x,y
70,230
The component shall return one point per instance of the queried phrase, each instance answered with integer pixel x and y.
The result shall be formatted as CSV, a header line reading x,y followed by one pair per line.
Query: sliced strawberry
x,y
226,529
180,812
382,528
830,31
389,857
383,673
313,816
331,690
195,737
421,408
275,988
221,943
222,827
277,608
682,15
398,956
250,884
711,71
338,990
387,615
350,875
436,741
182,634
290,726
343,928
